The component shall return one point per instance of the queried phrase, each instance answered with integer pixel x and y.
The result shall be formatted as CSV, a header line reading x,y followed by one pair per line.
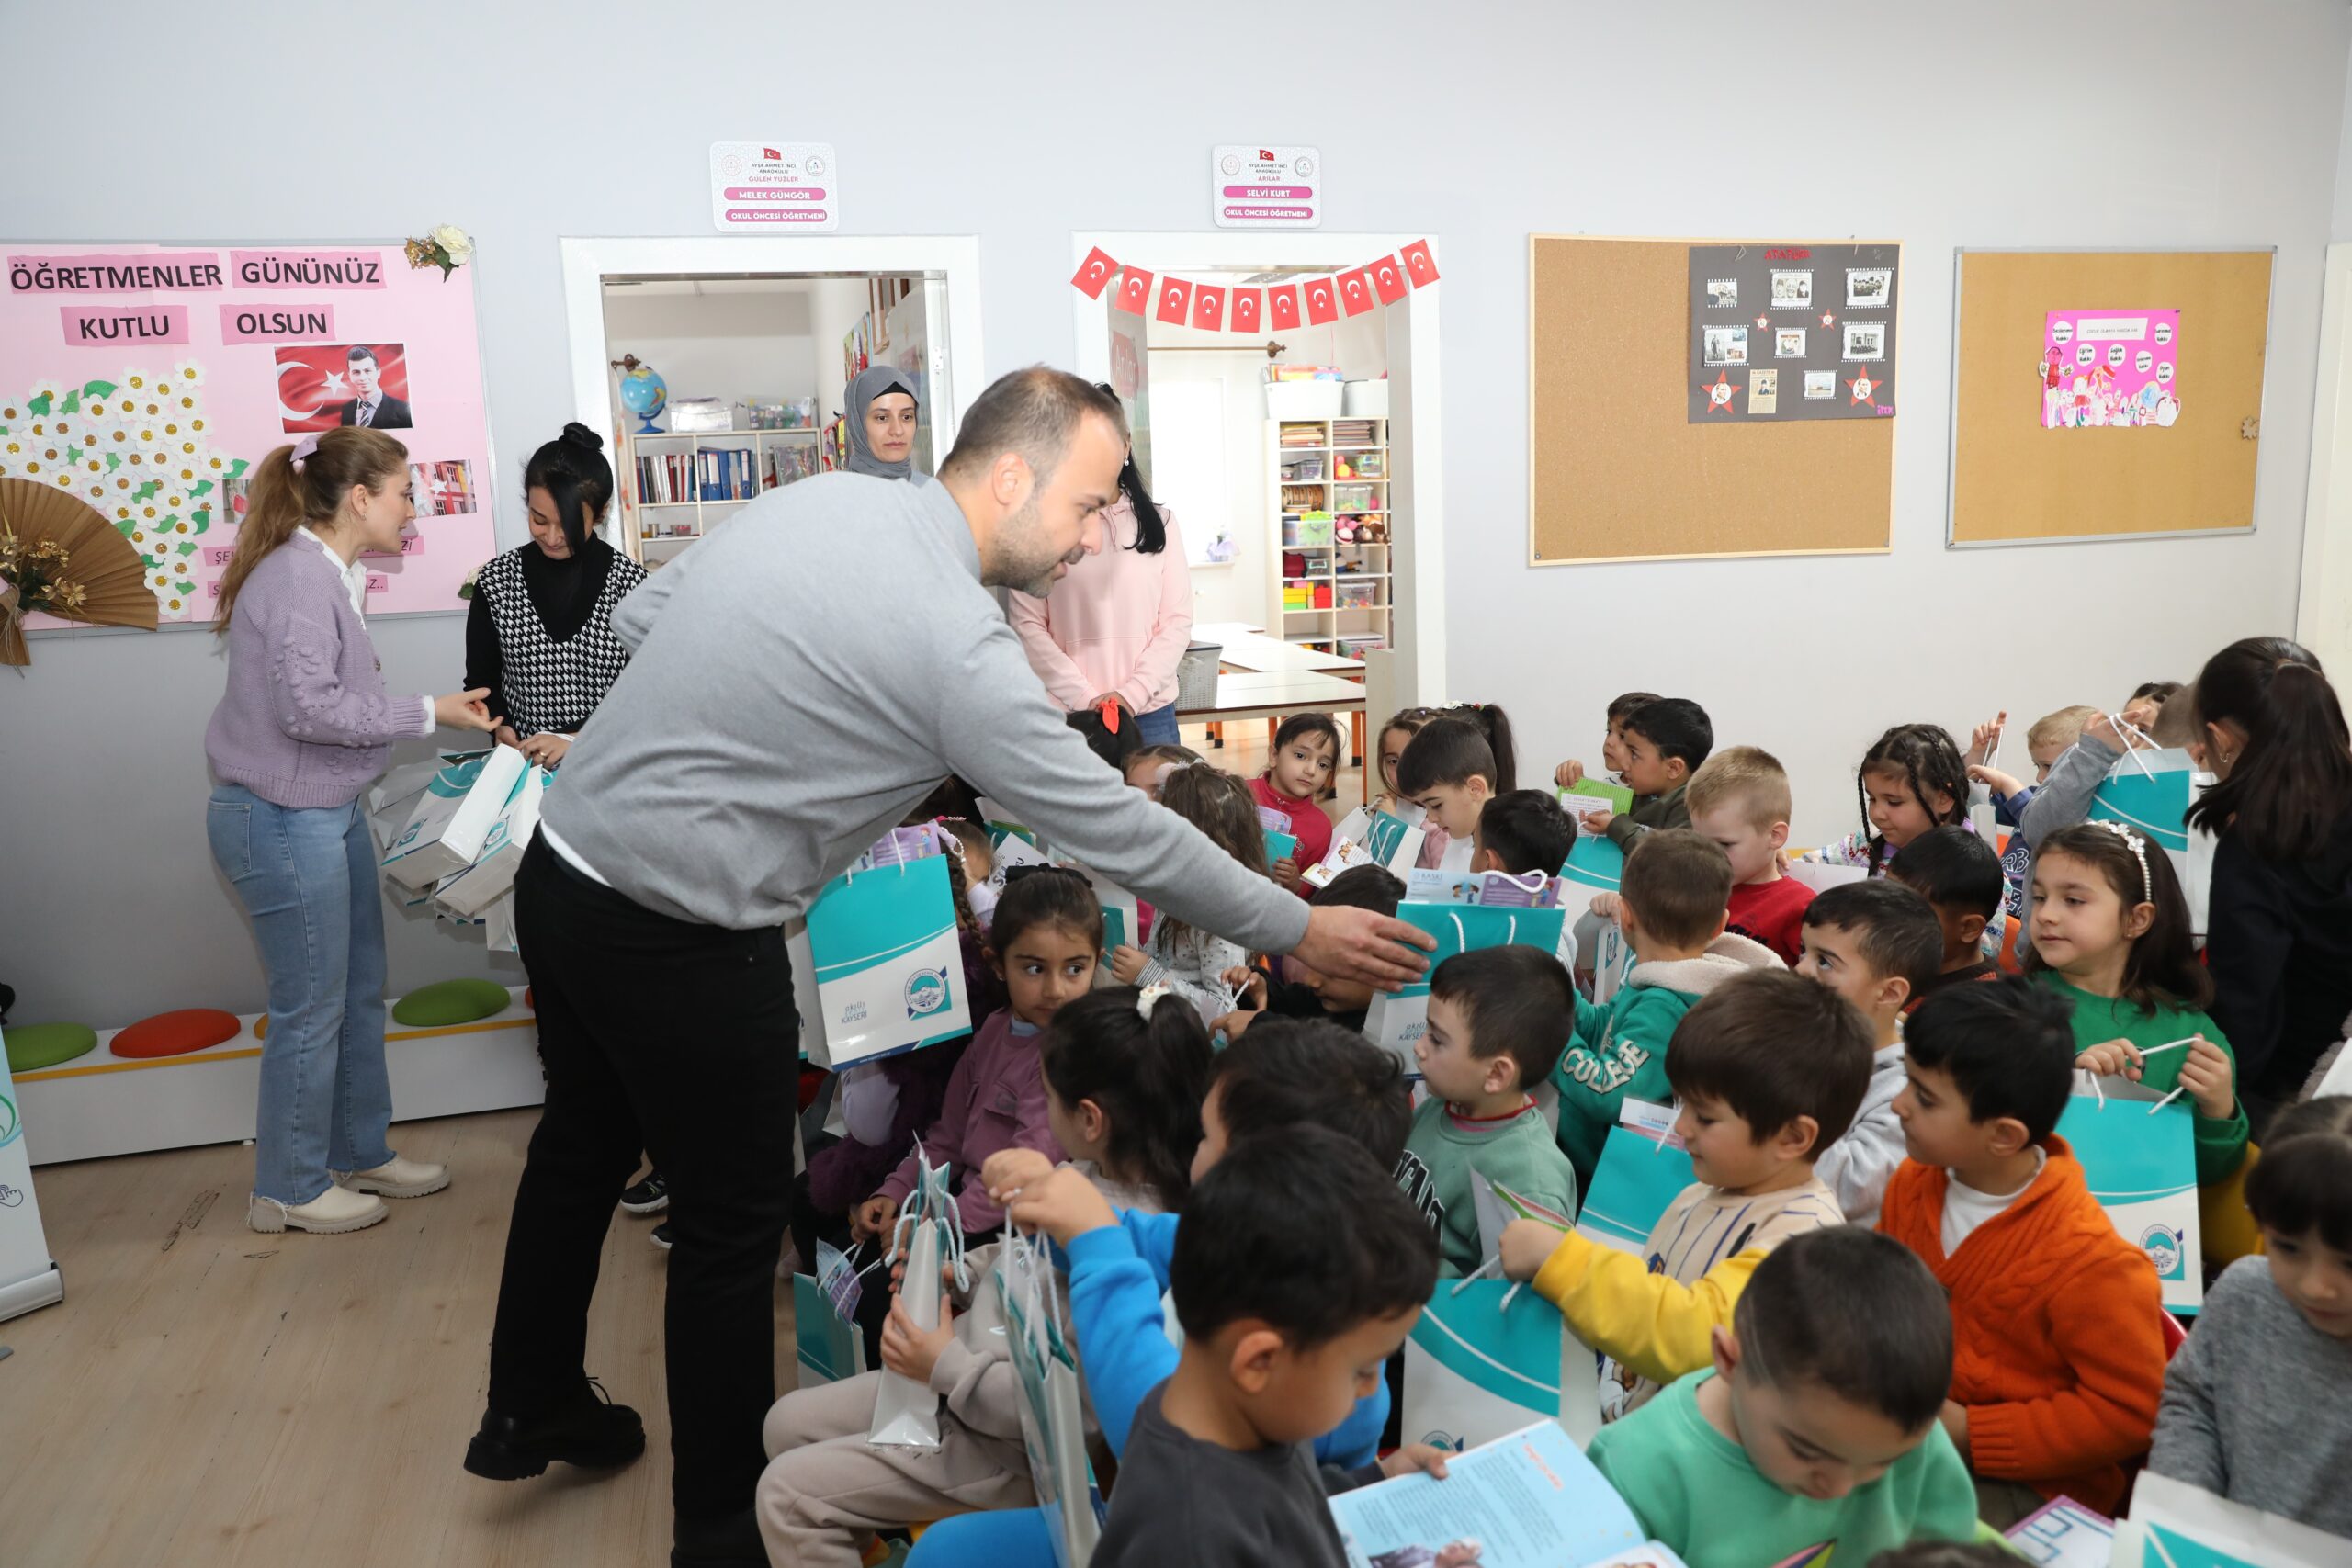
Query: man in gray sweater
x,y
797,682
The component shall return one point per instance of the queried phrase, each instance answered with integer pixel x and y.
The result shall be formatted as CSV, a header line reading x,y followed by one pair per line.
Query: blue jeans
x,y
308,879
1158,728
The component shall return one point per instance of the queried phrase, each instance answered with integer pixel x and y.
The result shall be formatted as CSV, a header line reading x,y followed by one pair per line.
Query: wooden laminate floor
x,y
205,1396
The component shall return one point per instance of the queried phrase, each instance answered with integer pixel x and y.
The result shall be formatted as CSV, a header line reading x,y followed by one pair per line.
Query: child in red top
x,y
1306,753
1740,798
2058,1359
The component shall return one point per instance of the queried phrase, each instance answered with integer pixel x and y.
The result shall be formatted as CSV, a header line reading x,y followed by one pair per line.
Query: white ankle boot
x,y
332,1210
397,1178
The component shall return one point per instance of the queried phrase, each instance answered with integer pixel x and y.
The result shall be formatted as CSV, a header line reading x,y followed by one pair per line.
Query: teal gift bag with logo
x,y
2140,1162
1595,863
890,966
1399,1018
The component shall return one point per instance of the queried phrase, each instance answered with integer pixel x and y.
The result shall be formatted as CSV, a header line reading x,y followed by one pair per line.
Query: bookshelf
x,y
657,530
1338,467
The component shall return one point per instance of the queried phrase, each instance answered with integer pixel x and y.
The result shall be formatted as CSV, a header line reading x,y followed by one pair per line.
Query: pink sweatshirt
x,y
1117,623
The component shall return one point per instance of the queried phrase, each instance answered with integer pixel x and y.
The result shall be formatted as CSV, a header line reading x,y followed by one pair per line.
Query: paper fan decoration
x,y
60,556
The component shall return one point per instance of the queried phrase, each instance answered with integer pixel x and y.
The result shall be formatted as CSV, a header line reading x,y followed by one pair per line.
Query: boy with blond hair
x,y
1740,798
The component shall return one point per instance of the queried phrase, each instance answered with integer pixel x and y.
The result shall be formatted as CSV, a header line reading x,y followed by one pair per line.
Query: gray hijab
x,y
872,382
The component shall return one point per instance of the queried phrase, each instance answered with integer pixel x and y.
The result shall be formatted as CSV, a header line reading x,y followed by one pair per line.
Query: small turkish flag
x,y
1355,292
1175,301
1322,302
1135,290
1209,308
1095,274
1388,280
1282,307
1245,310
1419,265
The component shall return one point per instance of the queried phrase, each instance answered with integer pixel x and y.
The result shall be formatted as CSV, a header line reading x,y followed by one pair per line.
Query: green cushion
x,y
34,1046
446,1002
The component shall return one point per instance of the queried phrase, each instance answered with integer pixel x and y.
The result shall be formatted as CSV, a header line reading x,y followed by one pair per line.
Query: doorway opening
x,y
718,367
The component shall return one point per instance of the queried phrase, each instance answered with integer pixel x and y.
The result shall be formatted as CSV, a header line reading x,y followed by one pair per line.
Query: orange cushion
x,y
176,1033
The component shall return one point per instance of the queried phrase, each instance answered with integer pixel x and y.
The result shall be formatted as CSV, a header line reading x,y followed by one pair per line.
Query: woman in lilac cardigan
x,y
302,729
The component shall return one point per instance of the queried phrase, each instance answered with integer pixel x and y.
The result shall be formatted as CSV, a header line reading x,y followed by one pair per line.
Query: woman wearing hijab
x,y
1114,627
882,424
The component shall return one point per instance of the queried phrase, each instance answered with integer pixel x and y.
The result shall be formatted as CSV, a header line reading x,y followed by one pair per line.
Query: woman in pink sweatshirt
x,y
1114,627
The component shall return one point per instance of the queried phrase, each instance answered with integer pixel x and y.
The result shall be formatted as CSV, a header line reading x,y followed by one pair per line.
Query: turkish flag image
x,y
1355,292
322,384
1135,291
1282,307
1388,280
1419,265
1245,310
1322,302
1209,308
1094,273
1175,301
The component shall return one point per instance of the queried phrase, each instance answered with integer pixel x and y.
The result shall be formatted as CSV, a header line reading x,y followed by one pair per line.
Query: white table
x,y
1245,647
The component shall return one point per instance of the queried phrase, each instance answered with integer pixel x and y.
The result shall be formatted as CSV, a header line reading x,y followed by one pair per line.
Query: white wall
x,y
736,345
1939,126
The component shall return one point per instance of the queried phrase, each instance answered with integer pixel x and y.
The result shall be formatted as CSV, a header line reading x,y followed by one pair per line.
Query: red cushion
x,y
176,1033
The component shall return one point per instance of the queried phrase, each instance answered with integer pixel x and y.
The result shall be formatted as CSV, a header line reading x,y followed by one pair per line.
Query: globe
x,y
645,394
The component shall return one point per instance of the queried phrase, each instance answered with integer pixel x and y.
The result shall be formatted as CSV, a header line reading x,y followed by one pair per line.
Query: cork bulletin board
x,y
2020,475
1617,471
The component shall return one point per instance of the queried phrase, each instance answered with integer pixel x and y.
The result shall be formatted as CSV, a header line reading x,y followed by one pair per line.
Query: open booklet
x,y
1528,1500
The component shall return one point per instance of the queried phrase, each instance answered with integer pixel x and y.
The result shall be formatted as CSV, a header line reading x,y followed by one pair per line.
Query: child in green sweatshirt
x,y
2111,934
1498,1020
1816,1434
1671,903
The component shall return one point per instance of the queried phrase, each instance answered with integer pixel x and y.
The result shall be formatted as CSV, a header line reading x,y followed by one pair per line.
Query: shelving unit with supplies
x,y
1330,594
655,531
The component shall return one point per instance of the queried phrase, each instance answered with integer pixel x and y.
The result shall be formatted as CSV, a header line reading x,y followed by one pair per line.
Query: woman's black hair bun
x,y
580,436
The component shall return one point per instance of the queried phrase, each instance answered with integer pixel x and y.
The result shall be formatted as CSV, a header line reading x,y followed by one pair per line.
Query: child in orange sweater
x,y
2059,1360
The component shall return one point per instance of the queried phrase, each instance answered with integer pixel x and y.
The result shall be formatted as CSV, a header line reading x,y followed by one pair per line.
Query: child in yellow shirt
x,y
1769,1071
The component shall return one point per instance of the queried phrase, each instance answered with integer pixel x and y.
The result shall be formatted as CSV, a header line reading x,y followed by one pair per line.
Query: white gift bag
x,y
468,892
2175,1525
453,818
929,1236
1053,1414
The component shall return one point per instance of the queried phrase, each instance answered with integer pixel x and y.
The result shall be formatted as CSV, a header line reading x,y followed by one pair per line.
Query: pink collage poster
x,y
149,380
2110,367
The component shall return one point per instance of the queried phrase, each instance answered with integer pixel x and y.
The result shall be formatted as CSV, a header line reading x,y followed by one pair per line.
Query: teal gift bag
x,y
2142,1169
1476,1371
1637,1178
889,965
1397,1018
1596,862
2149,792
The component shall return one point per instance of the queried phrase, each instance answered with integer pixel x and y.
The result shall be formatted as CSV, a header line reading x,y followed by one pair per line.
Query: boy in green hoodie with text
x,y
1671,905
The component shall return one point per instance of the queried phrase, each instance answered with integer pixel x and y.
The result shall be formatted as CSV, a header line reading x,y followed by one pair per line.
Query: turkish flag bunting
x,y
1355,292
1094,273
1418,264
1135,290
1245,310
1282,307
1322,302
1175,301
1208,307
1388,280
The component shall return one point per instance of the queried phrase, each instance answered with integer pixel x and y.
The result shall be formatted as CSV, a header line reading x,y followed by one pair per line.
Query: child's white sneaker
x,y
397,1178
334,1211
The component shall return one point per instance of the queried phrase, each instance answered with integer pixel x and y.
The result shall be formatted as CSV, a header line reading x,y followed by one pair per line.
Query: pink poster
x,y
2110,367
149,380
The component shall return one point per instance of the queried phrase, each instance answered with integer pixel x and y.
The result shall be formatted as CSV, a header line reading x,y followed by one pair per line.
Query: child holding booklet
x,y
1297,776
1193,962
1613,743
1307,992
1815,1430
1451,767
1769,1069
